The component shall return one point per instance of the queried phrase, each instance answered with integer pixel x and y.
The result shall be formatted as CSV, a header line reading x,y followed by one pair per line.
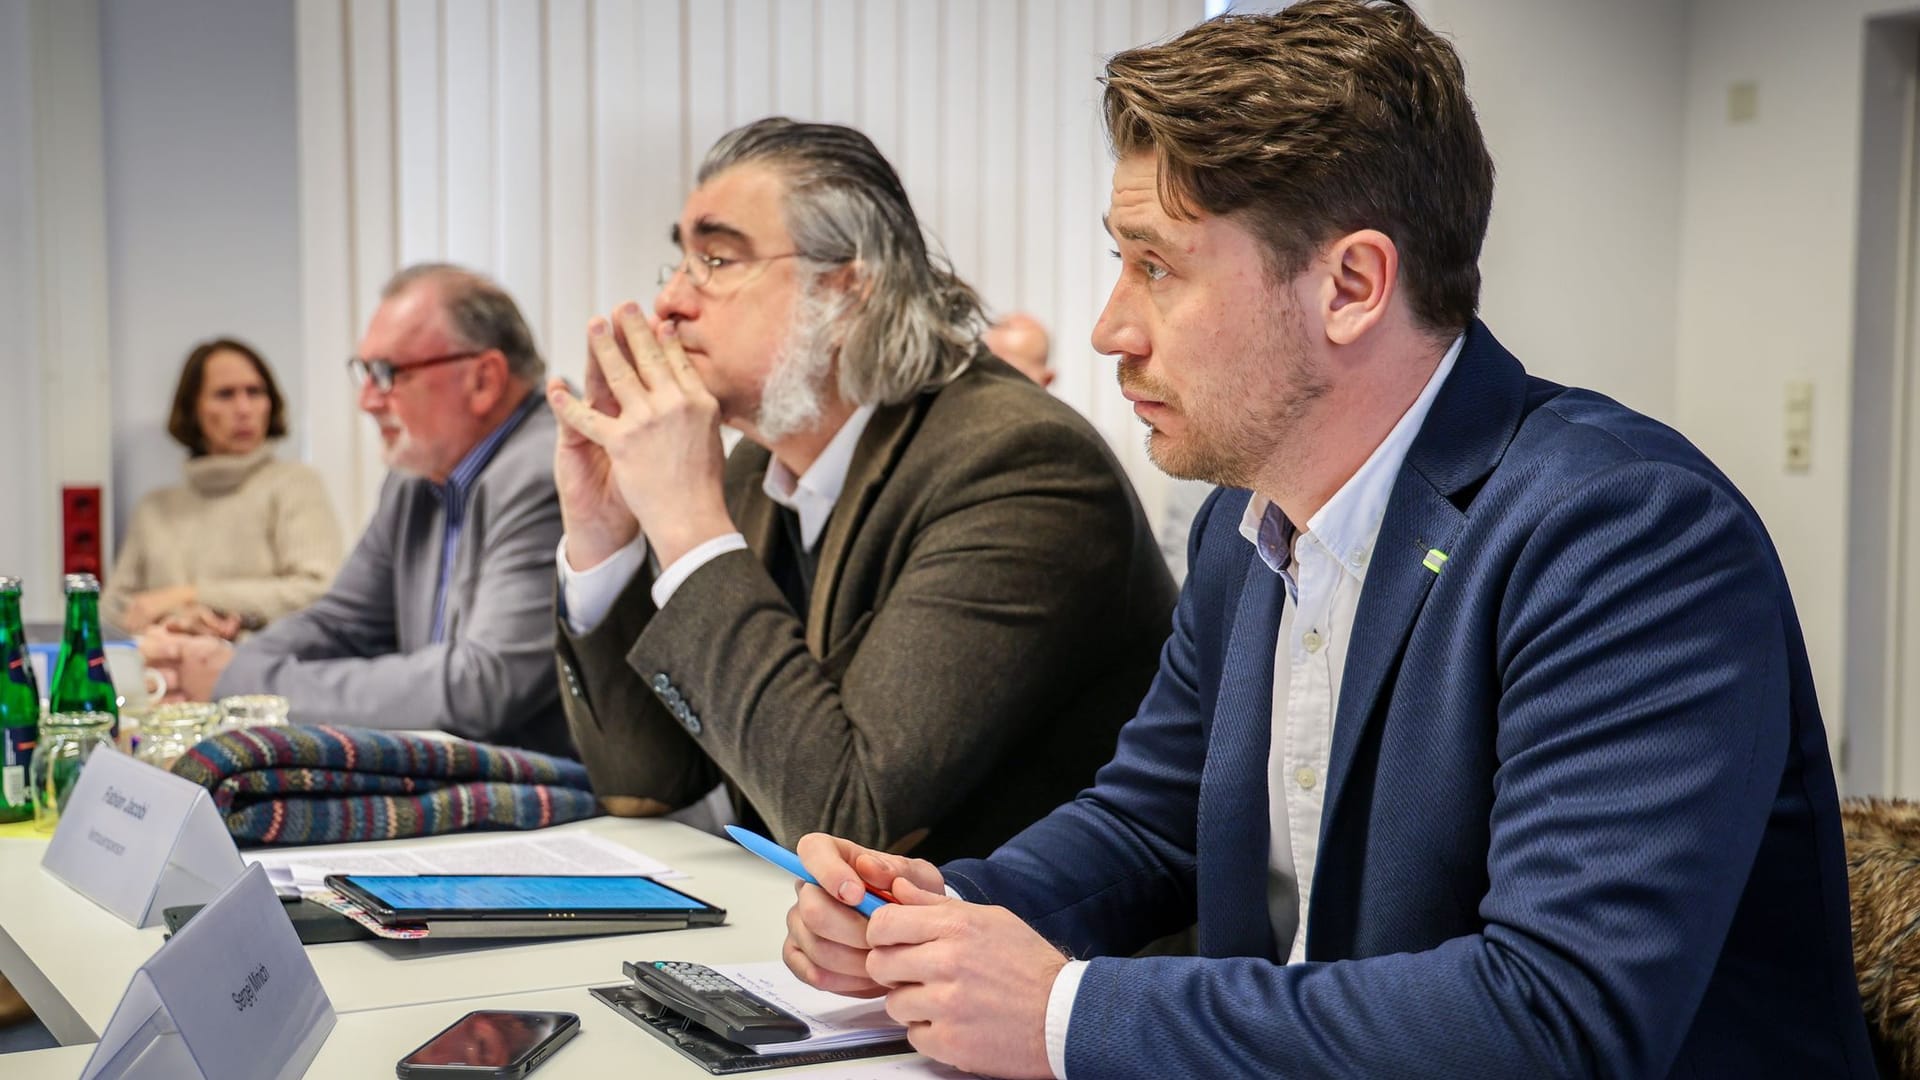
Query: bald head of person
x,y
1020,340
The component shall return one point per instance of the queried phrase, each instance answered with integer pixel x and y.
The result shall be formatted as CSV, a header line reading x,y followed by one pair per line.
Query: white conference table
x,y
71,960
366,1045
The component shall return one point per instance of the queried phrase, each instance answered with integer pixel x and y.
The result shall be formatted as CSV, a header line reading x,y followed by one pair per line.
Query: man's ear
x,y
852,285
851,281
489,382
1359,273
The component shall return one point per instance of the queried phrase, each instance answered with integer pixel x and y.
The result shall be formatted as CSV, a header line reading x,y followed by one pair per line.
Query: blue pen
x,y
788,861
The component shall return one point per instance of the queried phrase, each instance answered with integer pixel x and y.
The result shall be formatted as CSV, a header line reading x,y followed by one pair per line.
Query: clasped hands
x,y
971,982
191,663
643,447
179,610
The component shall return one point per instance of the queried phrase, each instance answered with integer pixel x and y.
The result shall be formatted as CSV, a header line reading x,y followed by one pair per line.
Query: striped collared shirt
x,y
453,497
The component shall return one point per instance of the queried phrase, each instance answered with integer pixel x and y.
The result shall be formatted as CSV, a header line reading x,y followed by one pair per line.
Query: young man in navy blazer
x,y
1485,743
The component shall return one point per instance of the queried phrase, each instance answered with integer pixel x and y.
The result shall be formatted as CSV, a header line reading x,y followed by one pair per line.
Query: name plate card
x,y
231,997
137,840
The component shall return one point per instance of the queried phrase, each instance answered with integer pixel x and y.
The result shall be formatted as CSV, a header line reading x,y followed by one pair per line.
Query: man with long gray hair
x,y
918,600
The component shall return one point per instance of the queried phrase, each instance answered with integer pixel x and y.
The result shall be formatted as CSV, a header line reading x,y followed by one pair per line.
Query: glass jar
x,y
172,730
67,740
253,710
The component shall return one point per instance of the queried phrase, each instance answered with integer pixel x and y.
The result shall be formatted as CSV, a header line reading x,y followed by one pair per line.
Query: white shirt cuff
x,y
1066,986
589,594
674,576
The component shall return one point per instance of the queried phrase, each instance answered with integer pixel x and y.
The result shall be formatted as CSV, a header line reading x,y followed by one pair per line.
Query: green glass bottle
x,y
81,681
19,707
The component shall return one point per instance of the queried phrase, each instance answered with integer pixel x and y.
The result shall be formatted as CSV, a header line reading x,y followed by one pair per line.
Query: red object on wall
x,y
80,530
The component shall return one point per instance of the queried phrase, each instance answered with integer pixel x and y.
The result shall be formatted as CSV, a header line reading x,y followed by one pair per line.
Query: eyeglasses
x,y
382,373
702,269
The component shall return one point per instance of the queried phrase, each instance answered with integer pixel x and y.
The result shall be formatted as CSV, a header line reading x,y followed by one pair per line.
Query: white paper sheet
x,y
531,853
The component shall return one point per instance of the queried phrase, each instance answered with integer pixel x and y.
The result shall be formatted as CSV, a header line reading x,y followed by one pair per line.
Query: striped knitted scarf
x,y
326,785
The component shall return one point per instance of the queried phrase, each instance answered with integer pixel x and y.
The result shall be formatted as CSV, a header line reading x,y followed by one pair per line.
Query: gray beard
x,y
792,400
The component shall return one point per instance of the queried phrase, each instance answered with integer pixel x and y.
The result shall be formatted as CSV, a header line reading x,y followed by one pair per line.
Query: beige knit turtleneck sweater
x,y
255,536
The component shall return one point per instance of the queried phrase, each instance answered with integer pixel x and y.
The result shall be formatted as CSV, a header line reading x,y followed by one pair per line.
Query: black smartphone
x,y
492,1043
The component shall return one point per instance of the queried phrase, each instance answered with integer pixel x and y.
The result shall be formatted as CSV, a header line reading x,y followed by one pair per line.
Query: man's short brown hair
x,y
1312,122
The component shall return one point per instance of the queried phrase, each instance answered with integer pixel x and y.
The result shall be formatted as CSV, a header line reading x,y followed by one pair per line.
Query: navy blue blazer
x,y
1580,818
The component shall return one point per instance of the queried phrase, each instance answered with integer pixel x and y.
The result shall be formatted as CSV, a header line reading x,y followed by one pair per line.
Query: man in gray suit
x,y
915,604
440,616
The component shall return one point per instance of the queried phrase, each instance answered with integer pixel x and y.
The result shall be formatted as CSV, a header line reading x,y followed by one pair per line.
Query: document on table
x,y
837,1022
293,872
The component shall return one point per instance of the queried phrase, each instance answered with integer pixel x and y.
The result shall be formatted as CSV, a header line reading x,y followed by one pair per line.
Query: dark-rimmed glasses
x,y
382,373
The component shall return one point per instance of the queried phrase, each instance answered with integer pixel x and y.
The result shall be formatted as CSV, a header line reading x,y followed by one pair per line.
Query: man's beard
x,y
792,399
399,454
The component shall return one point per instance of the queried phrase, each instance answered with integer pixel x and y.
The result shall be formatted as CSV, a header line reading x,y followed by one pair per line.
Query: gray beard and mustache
x,y
792,400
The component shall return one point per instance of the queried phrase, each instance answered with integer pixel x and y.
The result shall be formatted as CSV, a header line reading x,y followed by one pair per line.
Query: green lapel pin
x,y
1435,559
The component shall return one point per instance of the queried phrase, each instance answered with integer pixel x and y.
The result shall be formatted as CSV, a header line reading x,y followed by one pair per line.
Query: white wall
x,y
1579,103
553,143
1580,106
1767,283
202,198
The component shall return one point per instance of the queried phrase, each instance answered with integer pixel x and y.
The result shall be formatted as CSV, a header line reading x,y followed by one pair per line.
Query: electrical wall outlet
x,y
1743,102
1799,426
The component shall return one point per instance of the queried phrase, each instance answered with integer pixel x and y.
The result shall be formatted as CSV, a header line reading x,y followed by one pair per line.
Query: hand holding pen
x,y
827,933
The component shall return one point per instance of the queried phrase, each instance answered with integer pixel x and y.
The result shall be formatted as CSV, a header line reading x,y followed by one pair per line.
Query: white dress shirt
x,y
1324,568
589,594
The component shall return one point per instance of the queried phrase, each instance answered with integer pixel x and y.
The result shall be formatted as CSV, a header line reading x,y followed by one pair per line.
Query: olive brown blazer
x,y
987,609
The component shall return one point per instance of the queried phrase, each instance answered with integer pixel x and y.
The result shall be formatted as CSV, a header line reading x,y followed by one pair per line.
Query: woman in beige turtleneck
x,y
247,538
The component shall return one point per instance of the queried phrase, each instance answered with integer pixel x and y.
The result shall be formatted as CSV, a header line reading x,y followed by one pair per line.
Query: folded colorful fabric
x,y
325,785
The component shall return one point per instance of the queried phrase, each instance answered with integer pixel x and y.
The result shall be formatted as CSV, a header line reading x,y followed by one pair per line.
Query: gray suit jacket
x,y
361,655
987,610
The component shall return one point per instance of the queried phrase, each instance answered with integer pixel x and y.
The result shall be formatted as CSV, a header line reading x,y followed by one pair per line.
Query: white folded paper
x,y
231,997
137,840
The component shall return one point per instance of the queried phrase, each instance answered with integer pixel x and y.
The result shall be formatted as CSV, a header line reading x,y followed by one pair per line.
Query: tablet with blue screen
x,y
518,905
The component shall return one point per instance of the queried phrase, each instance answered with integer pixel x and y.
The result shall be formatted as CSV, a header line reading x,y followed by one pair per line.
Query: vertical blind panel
x,y
749,61
997,144
923,113
375,223
708,76
519,225
796,87
552,142
836,42
467,115
878,64
960,93
567,120
1110,412
418,137
659,186
1080,195
326,255
620,164
1035,209
371,153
